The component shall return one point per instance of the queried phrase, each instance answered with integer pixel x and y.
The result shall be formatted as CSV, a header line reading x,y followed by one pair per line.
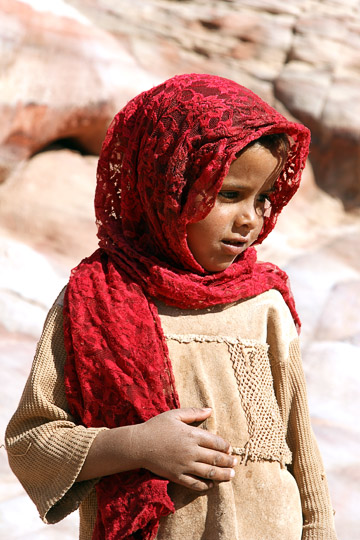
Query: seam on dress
x,y
202,338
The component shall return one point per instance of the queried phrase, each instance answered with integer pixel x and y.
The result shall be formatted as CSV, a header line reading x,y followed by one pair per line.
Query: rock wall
x,y
67,66
61,78
65,73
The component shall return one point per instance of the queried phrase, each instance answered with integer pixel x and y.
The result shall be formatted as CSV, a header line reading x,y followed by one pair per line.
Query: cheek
x,y
259,228
208,227
203,234
219,217
260,224
197,235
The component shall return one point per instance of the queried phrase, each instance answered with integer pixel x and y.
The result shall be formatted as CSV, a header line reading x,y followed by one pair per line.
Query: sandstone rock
x,y
61,78
333,384
340,319
303,88
320,85
29,285
48,203
345,246
313,275
304,54
307,55
343,473
68,66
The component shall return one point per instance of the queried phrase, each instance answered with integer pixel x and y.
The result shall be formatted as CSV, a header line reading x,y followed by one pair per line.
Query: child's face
x,y
236,220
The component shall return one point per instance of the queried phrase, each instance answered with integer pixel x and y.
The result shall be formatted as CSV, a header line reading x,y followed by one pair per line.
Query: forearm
x,y
111,452
165,445
307,463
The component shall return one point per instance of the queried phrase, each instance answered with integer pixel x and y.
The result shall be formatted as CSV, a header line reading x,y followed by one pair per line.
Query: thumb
x,y
190,415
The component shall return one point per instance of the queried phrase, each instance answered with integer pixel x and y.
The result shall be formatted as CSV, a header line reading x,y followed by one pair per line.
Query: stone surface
x,y
61,78
334,392
338,323
18,516
26,290
304,54
320,84
66,67
48,202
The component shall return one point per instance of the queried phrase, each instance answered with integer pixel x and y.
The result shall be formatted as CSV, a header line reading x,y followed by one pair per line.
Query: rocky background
x,y
66,67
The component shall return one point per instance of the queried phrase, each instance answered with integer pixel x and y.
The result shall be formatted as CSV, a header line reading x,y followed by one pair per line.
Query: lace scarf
x,y
162,150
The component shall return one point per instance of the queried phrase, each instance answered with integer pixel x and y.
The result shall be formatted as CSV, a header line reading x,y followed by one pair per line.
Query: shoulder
x,y
273,302
60,298
271,311
272,297
252,318
53,324
267,318
281,330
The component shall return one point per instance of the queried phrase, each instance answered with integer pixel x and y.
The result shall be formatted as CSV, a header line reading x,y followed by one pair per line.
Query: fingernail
x,y
235,462
230,451
232,473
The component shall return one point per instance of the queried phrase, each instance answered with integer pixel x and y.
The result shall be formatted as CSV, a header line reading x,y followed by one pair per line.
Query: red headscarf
x,y
164,148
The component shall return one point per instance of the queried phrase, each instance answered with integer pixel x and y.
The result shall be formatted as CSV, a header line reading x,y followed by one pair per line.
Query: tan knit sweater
x,y
256,389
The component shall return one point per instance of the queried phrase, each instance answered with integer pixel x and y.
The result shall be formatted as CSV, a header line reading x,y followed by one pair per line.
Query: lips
x,y
234,242
234,247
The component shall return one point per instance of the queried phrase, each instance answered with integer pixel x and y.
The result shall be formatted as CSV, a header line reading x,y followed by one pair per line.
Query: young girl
x,y
167,397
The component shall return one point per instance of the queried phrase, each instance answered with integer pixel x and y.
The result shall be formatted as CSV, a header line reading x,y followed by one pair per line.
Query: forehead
x,y
255,165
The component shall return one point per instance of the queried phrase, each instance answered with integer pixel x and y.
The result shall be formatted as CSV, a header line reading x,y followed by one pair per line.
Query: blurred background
x,y
66,67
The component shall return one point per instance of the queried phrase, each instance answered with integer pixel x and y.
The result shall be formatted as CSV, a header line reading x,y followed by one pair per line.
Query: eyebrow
x,y
238,187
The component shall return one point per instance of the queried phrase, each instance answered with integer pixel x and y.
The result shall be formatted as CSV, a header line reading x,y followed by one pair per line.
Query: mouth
x,y
241,242
234,247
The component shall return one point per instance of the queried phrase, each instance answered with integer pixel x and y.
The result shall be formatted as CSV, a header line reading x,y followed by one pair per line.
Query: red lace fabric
x,y
165,147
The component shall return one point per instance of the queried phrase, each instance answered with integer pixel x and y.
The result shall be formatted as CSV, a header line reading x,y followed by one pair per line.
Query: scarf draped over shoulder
x,y
164,148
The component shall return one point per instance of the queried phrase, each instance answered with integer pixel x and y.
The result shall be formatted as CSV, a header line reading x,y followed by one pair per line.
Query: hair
x,y
277,143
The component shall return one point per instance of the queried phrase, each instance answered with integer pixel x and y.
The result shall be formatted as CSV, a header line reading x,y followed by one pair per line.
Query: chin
x,y
216,268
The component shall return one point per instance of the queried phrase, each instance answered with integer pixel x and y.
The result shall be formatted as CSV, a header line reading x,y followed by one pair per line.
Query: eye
x,y
263,205
229,195
264,198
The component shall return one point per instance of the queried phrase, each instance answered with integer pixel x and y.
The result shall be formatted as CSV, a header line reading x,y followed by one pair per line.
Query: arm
x,y
59,462
167,446
290,389
307,466
46,449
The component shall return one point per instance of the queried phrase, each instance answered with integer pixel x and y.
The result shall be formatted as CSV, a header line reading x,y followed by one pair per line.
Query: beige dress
x,y
256,389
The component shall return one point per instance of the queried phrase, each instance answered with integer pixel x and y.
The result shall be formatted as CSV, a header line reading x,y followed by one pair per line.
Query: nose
x,y
246,215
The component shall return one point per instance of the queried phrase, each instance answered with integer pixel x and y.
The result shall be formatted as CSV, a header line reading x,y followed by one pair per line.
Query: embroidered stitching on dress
x,y
255,384
187,338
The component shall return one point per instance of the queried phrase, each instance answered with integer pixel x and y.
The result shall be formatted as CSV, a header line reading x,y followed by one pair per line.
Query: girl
x,y
167,397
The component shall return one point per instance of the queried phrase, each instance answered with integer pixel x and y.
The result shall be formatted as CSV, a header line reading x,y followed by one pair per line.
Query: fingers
x,y
183,453
195,483
192,414
209,440
212,473
212,468
204,438
216,459
205,476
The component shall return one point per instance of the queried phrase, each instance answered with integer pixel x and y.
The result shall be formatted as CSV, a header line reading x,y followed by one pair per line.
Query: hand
x,y
190,456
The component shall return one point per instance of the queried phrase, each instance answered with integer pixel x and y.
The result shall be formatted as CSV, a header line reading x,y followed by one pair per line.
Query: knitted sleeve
x,y
46,449
307,466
